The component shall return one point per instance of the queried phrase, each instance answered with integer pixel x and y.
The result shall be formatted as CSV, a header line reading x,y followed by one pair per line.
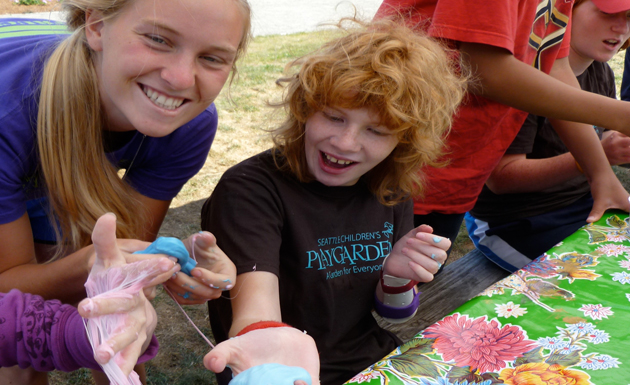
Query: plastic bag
x,y
123,281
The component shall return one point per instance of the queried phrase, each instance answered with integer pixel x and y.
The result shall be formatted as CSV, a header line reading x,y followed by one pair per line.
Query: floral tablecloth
x,y
563,319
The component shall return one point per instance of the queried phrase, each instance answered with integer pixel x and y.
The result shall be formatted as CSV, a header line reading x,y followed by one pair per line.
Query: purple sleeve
x,y
46,335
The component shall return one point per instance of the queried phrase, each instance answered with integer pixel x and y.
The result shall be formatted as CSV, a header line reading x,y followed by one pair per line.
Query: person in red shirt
x,y
518,52
536,196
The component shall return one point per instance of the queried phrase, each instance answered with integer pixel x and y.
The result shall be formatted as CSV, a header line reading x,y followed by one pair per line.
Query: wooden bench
x,y
455,285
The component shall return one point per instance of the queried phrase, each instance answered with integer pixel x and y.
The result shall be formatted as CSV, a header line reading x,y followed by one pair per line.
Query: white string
x,y
189,320
180,306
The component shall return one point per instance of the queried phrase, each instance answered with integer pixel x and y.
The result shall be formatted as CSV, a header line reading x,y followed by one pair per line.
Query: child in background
x,y
131,87
511,46
536,196
313,224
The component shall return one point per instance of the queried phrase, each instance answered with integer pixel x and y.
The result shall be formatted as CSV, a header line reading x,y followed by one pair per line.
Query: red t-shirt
x,y
533,32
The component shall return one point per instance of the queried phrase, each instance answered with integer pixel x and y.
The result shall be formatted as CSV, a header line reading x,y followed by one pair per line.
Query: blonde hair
x,y
81,182
409,79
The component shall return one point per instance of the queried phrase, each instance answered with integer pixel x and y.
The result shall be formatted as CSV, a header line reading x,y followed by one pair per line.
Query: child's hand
x,y
608,193
134,338
214,273
617,147
118,252
283,345
418,255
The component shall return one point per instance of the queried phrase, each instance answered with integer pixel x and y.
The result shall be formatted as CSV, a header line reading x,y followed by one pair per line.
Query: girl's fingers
x,y
423,250
122,338
186,290
150,292
213,280
129,357
434,240
216,361
422,274
425,229
104,241
431,265
100,306
168,268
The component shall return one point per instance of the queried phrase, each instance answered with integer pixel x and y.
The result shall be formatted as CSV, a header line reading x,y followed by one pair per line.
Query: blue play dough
x,y
174,248
268,374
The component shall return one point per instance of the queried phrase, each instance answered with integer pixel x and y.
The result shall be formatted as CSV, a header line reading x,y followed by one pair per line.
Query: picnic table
x,y
562,319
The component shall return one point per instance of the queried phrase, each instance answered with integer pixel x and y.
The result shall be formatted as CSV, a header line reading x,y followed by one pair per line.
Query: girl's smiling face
x,y
160,64
342,145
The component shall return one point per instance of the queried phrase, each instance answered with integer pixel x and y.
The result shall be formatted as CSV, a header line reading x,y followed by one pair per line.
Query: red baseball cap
x,y
612,6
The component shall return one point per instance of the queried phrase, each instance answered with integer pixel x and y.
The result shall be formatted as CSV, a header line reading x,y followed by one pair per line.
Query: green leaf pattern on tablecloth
x,y
563,319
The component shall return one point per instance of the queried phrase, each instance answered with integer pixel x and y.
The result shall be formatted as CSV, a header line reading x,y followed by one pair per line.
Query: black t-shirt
x,y
539,140
326,245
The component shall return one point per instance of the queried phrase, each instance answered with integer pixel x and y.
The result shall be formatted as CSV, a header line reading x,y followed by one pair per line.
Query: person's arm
x,y
505,79
585,147
156,212
63,343
416,257
62,279
246,209
517,174
256,298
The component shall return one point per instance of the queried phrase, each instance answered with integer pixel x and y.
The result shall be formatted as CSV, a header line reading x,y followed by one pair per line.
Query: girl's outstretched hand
x,y
418,255
283,345
214,273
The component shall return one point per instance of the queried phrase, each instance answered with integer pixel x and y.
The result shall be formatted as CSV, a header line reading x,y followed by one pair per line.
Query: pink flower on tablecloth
x,y
613,250
625,264
478,343
617,236
596,311
366,376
